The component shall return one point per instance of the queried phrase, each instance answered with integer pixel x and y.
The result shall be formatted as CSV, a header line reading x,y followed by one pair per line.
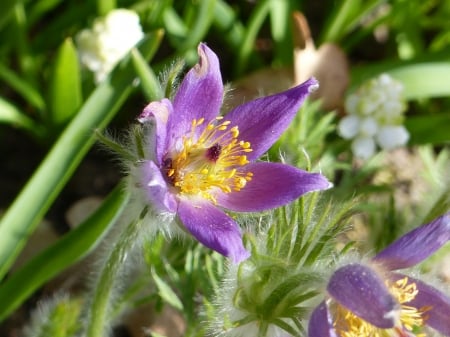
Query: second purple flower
x,y
202,163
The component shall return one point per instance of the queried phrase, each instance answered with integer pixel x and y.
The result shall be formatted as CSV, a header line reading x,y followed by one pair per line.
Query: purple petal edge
x,y
361,290
262,121
213,228
200,94
158,112
438,317
321,323
416,245
155,188
272,185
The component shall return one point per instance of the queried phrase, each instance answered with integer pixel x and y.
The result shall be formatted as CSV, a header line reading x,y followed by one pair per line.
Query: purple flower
x,y
202,163
374,300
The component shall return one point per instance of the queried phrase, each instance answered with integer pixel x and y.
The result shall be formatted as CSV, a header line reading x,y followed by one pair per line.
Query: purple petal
x,y
321,323
155,188
416,245
200,94
262,121
428,296
213,228
158,112
272,185
361,290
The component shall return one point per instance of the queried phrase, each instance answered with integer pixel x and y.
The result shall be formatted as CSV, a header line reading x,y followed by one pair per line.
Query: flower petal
x,y
363,147
438,317
262,121
348,126
158,112
392,136
416,245
272,185
321,323
361,290
155,188
200,94
213,228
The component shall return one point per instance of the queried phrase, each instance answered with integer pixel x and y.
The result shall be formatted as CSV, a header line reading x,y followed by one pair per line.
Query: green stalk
x,y
113,265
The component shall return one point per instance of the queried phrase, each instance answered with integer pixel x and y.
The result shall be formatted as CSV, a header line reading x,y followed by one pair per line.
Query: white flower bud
x,y
375,112
363,147
348,127
368,127
109,40
390,136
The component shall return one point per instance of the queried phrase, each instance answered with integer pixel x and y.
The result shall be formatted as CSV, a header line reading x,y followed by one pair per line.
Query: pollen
x,y
410,321
211,159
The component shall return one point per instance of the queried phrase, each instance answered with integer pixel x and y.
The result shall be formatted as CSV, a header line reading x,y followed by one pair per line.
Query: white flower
x,y
348,127
109,40
390,137
363,148
375,114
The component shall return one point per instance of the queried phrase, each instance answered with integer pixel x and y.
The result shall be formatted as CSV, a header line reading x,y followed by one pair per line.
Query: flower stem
x,y
97,319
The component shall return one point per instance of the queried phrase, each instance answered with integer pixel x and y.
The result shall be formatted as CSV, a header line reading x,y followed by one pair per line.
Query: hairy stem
x,y
98,312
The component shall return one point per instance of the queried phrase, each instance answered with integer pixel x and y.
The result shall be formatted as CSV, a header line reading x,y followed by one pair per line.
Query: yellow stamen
x,y
210,160
347,324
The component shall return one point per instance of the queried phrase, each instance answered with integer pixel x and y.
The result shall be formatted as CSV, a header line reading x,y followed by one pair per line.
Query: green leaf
x,y
24,88
166,292
23,216
424,80
11,115
257,18
105,6
65,95
39,8
203,12
338,20
6,8
226,20
346,17
428,129
64,253
149,82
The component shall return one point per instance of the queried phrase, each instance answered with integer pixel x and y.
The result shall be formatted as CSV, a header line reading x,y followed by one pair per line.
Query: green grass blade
x,y
149,82
424,80
41,190
6,8
10,114
227,21
201,23
24,88
254,25
65,252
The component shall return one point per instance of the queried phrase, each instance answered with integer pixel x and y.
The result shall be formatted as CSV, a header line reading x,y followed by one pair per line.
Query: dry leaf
x,y
328,65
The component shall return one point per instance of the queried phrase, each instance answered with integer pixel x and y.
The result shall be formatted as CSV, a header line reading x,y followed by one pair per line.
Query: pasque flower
x,y
375,300
203,163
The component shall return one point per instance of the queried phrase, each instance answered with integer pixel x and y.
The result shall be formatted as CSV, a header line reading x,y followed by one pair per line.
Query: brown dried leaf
x,y
328,65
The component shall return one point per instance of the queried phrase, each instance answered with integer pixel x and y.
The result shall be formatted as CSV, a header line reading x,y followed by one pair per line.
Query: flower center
x,y
210,161
347,324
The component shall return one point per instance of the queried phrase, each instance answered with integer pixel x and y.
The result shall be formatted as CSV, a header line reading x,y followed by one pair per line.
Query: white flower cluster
x,y
109,40
375,116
